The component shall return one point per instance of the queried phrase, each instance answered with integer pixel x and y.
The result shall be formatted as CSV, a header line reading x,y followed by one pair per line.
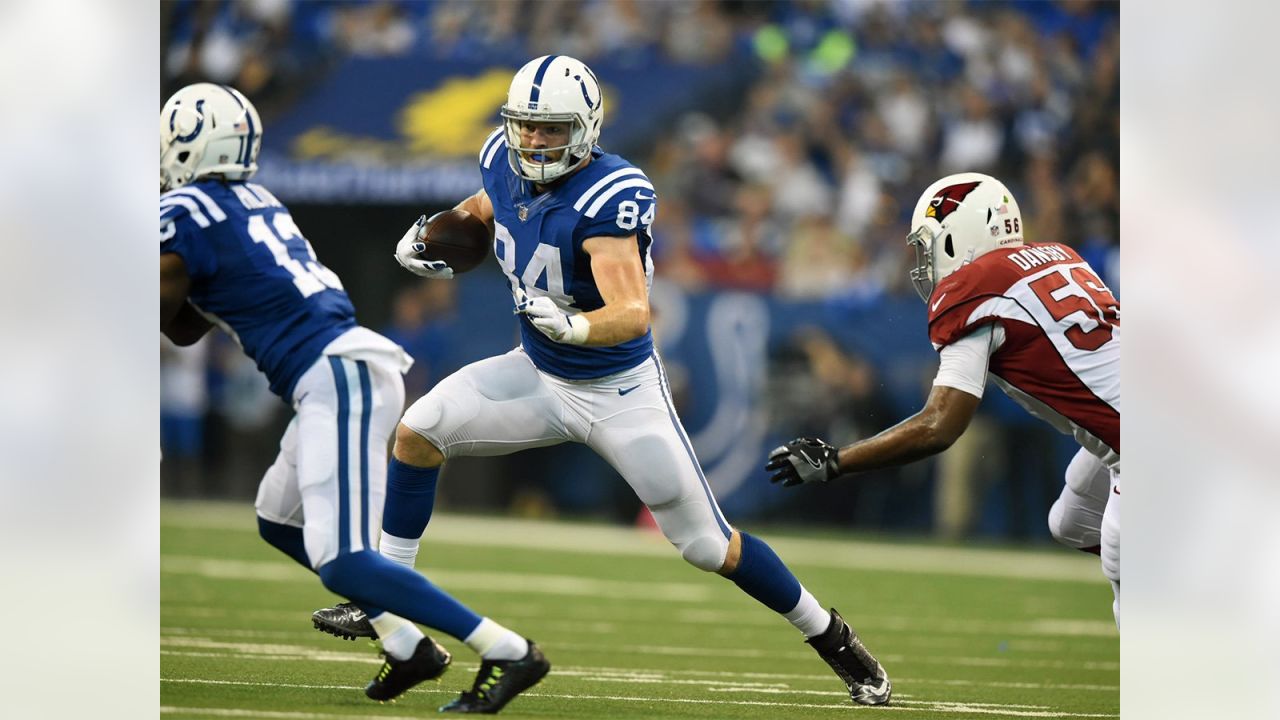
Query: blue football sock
x,y
367,578
411,494
285,538
761,574
288,540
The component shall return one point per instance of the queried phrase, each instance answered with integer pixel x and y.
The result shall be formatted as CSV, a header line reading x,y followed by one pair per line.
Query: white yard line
x,y
668,651
887,658
204,643
597,539
187,646
922,706
961,628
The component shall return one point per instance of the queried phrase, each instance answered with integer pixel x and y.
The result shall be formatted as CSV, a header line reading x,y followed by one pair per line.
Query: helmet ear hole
x,y
948,247
182,156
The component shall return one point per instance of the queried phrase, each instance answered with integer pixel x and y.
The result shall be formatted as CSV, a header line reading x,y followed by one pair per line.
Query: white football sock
x,y
399,637
494,642
808,616
1115,606
400,550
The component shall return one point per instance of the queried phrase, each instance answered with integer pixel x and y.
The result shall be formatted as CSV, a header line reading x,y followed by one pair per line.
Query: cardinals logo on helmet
x,y
948,199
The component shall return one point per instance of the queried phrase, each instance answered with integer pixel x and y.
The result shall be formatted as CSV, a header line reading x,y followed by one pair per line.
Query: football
x,y
457,237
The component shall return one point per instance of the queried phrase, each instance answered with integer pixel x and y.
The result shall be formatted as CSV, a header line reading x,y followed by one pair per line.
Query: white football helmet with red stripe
x,y
553,88
959,218
208,129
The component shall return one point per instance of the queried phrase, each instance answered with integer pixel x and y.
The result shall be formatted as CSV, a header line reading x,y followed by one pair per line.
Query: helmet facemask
x,y
921,240
926,274
524,159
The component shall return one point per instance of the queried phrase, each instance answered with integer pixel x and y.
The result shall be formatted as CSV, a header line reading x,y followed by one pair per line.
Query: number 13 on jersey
x,y
309,276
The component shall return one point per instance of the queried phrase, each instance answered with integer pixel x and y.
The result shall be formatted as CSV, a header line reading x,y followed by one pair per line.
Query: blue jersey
x,y
538,242
255,275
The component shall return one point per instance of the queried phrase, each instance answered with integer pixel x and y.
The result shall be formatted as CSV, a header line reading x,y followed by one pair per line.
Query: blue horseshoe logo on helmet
x,y
583,85
199,122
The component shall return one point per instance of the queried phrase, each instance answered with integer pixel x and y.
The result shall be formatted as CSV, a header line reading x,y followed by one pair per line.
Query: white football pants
x,y
1087,514
504,404
330,477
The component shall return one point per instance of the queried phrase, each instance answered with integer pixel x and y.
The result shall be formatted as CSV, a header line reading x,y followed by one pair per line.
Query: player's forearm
x,y
471,205
617,323
174,285
478,206
918,437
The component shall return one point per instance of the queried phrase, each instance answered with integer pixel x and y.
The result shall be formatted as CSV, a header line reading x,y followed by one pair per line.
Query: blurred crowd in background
x,y
802,190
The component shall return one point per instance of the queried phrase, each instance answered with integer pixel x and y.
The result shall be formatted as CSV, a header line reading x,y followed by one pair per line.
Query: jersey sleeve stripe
x,y
600,201
192,207
586,196
488,145
210,206
264,195
488,159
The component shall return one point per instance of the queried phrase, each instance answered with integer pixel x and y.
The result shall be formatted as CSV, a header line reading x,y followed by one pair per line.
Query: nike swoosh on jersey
x,y
627,390
644,197
934,308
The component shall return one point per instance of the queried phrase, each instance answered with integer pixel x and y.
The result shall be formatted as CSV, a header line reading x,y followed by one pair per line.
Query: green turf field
x,y
634,632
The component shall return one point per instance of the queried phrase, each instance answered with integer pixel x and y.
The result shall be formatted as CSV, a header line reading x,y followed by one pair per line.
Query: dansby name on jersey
x,y
1061,355
538,242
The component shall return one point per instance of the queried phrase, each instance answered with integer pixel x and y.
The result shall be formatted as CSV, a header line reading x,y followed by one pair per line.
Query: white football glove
x,y
551,321
411,245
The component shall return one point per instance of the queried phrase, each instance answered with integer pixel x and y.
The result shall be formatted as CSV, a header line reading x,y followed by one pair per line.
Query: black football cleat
x,y
429,661
840,647
499,681
343,620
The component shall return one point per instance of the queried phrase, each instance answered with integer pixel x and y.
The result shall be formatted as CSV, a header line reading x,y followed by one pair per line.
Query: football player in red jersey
x,y
1036,319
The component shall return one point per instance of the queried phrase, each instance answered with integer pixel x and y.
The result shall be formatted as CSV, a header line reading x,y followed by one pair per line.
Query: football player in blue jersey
x,y
231,255
571,228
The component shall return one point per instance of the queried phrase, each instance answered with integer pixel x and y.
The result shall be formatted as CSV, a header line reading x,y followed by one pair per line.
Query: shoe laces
x,y
489,676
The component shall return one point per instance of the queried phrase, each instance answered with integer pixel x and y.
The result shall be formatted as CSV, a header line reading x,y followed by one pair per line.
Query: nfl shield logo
x,y
522,211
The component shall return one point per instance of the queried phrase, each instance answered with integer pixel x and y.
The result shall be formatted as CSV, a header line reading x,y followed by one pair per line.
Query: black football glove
x,y
803,460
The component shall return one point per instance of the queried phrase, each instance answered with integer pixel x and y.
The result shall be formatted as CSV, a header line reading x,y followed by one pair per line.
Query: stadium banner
x,y
402,130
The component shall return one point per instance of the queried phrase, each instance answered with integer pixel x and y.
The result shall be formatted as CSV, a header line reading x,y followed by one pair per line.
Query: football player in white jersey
x,y
1033,317
231,255
572,233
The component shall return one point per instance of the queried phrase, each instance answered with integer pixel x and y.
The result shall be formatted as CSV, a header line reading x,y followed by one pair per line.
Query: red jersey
x,y
1061,355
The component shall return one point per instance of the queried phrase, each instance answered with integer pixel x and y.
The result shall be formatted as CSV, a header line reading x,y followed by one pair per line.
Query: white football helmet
x,y
208,129
959,218
553,88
